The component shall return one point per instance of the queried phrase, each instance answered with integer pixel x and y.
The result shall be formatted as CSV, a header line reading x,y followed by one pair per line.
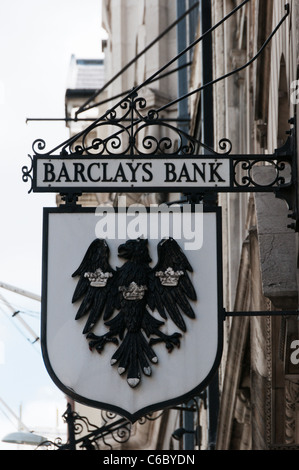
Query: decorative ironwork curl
x,y
151,416
107,416
248,180
225,146
38,145
122,433
82,424
27,174
50,445
116,144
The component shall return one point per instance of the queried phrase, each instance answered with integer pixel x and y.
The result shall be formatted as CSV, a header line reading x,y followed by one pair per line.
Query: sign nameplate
x,y
88,174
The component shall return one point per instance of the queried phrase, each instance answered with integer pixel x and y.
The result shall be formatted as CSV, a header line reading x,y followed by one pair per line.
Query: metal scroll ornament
x,y
133,130
130,129
125,299
27,173
244,173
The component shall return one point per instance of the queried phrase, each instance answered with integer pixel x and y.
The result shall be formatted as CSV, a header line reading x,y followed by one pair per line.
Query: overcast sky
x,y
37,39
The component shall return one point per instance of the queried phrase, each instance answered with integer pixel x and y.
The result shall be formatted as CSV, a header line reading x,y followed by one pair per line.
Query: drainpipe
x,y
207,113
183,113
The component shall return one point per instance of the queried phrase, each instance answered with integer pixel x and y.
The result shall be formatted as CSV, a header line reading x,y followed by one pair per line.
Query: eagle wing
x,y
95,284
170,286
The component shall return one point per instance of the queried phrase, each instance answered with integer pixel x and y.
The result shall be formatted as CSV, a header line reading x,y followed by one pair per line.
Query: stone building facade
x,y
257,400
258,381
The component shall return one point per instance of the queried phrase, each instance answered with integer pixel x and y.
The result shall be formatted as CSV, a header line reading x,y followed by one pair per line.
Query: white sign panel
x,y
112,174
131,306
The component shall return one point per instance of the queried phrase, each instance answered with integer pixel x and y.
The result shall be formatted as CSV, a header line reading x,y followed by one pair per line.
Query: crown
x,y
169,277
98,278
133,292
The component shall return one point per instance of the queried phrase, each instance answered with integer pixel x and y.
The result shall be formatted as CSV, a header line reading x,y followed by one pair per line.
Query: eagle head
x,y
135,250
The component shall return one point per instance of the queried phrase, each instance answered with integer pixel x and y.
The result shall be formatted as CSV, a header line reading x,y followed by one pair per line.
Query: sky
x,y
37,40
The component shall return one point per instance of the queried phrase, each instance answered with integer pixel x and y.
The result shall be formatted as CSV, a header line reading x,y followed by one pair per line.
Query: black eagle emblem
x,y
126,297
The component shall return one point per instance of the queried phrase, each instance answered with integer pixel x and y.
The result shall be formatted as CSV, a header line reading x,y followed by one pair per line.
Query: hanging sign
x,y
132,305
85,174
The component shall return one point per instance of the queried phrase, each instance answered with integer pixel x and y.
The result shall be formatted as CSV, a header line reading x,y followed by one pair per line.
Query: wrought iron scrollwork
x,y
126,130
120,434
152,416
87,436
27,174
244,170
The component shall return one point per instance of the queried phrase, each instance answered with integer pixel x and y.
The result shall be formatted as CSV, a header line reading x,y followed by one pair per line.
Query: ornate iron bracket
x,y
133,149
133,134
91,437
138,137
84,435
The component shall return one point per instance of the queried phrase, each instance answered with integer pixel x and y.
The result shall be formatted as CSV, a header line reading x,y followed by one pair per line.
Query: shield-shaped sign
x,y
132,304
